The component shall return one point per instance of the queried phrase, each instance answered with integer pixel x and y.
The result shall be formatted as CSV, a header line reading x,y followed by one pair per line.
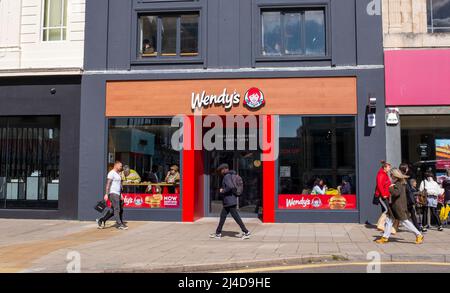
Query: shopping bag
x,y
443,215
100,206
381,223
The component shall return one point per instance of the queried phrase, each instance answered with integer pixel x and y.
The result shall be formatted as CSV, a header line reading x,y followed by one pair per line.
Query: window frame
x,y
431,29
356,169
65,14
137,59
286,8
107,122
42,201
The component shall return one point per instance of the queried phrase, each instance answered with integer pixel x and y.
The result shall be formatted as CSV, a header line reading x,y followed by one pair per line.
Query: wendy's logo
x,y
254,98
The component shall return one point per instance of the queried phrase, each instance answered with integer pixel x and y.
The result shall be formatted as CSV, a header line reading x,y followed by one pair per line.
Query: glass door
x,y
248,165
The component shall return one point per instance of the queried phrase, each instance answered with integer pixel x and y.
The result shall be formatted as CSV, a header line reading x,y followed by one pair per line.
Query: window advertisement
x,y
151,167
443,154
317,163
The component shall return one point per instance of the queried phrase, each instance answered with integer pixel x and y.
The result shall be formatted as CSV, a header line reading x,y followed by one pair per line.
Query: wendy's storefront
x,y
294,141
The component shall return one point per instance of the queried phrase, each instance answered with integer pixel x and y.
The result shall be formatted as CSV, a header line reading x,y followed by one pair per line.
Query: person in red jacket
x,y
382,192
383,181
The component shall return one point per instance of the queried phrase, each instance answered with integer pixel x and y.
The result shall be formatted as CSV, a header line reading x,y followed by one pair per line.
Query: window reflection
x,y
189,35
315,32
317,155
29,162
149,33
426,144
298,32
293,34
151,176
169,35
438,15
271,32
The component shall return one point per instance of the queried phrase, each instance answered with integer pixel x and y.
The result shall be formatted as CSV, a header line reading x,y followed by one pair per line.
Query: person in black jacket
x,y
230,201
404,168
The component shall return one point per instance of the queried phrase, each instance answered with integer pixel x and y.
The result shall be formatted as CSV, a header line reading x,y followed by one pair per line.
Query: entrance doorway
x,y
247,163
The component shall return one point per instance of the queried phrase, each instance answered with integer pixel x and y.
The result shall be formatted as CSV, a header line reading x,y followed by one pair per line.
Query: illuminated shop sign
x,y
253,99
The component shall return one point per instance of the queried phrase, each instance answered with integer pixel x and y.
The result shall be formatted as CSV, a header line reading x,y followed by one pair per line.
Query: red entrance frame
x,y
193,170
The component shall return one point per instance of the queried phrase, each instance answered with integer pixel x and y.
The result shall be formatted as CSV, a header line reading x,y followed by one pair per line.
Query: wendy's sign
x,y
253,99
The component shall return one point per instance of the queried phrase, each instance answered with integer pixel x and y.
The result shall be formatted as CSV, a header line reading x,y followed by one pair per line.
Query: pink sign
x,y
417,77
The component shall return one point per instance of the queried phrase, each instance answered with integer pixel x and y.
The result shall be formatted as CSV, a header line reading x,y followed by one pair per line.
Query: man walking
x,y
228,193
113,192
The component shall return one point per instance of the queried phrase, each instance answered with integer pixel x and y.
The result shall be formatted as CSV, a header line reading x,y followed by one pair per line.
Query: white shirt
x,y
116,184
318,190
432,187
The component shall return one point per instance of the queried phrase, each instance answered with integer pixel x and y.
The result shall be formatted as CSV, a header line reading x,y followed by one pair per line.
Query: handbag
x,y
422,197
375,200
100,206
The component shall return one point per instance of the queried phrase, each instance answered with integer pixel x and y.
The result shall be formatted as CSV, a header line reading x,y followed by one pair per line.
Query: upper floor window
x,y
299,32
169,35
55,20
438,14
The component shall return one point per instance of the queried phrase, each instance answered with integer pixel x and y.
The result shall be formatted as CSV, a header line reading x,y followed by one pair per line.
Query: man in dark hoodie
x,y
230,201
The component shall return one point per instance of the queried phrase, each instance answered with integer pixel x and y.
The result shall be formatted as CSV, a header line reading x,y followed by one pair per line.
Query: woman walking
x,y
398,208
382,193
433,191
410,196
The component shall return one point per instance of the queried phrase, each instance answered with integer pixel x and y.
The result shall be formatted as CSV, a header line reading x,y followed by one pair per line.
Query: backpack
x,y
238,184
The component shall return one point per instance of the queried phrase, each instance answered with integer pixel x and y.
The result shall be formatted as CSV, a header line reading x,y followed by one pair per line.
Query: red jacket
x,y
383,184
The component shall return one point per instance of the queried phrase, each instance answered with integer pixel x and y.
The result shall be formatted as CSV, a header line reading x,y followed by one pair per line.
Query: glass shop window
x,y
151,174
317,163
426,146
29,162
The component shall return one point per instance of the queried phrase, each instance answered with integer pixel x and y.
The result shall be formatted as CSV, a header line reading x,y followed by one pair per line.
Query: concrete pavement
x,y
44,246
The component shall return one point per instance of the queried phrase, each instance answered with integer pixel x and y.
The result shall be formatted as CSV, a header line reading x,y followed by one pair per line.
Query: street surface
x,y
61,246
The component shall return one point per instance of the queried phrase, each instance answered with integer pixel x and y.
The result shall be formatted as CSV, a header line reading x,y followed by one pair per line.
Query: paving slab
x,y
44,246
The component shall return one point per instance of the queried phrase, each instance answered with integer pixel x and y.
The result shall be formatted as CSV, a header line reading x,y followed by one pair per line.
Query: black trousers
x,y
115,211
234,213
434,214
412,211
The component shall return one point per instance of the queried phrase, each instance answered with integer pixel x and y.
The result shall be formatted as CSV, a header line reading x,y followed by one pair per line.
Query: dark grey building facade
x,y
39,146
139,51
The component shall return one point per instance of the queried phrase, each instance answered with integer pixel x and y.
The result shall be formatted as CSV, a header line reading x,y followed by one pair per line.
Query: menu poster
x,y
151,201
442,154
317,202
